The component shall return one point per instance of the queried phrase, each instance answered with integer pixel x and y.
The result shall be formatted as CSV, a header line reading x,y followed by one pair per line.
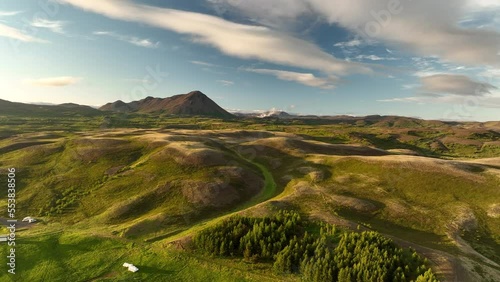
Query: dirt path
x,y
449,267
446,265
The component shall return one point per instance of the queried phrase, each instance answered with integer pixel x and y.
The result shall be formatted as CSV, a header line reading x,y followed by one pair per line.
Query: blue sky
x,y
391,57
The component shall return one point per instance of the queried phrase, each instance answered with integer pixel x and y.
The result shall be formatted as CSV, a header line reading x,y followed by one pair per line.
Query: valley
x,y
142,193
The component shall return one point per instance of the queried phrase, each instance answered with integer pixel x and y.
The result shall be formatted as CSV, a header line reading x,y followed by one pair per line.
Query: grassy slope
x,y
54,169
81,257
428,138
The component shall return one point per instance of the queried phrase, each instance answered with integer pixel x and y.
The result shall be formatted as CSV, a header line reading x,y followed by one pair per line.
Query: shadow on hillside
x,y
392,143
424,238
282,165
328,140
22,145
154,270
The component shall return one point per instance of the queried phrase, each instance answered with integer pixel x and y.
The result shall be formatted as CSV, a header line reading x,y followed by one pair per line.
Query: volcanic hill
x,y
193,103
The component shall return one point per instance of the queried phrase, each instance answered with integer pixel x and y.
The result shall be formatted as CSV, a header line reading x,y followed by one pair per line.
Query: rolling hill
x,y
8,108
143,193
142,182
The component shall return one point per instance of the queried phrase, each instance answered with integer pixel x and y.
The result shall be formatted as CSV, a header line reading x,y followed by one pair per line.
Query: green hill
x,y
142,194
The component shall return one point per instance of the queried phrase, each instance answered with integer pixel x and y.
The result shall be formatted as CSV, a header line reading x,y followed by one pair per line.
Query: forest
x,y
316,251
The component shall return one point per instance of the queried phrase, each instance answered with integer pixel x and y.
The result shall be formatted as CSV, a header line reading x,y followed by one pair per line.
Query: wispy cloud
x,y
54,26
375,58
141,42
455,85
451,89
9,13
201,63
10,32
351,43
492,101
54,81
491,73
424,27
409,86
226,82
233,39
308,79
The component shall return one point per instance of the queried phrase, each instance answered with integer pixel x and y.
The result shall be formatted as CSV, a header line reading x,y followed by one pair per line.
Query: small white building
x,y
29,219
131,267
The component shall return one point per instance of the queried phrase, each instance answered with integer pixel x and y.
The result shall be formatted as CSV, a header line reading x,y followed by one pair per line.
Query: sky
x,y
427,59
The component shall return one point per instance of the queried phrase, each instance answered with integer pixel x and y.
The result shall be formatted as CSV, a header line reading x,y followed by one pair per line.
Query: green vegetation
x,y
331,255
427,138
140,186
78,256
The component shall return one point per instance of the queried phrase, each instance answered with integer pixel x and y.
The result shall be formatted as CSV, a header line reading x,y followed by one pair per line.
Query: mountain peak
x,y
192,103
196,93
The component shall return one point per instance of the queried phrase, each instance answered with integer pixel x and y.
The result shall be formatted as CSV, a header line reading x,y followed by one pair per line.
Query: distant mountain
x,y
69,109
275,114
193,103
266,114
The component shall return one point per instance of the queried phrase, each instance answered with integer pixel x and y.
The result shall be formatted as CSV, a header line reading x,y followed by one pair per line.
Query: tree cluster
x,y
327,255
252,238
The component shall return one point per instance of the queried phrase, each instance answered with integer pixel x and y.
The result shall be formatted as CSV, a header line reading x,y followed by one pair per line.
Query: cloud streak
x,y
452,89
13,33
307,79
54,26
141,42
375,58
9,13
204,64
61,81
226,82
245,41
483,101
455,85
425,27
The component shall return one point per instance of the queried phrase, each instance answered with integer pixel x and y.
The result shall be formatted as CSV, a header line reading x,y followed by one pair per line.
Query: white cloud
x,y
201,63
9,13
491,73
141,42
233,39
375,58
54,81
225,82
352,43
425,27
308,79
467,103
409,86
428,72
54,26
488,4
10,32
279,14
469,95
454,84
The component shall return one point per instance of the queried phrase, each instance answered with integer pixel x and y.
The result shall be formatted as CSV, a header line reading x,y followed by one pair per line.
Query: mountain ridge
x,y
192,103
